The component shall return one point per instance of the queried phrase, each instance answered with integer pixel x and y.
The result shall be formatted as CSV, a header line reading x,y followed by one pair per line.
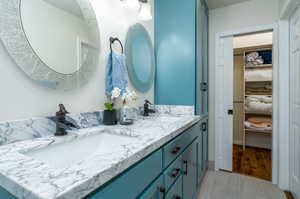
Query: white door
x,y
224,101
295,103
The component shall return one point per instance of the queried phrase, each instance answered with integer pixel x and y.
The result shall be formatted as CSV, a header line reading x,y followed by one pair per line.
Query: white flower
x,y
129,95
115,93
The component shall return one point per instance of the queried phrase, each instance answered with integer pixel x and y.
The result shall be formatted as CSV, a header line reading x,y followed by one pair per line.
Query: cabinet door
x,y
199,158
176,191
190,171
154,191
172,65
204,145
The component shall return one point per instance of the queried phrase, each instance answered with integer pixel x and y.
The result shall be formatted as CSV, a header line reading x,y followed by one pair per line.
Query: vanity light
x,y
145,11
133,4
145,8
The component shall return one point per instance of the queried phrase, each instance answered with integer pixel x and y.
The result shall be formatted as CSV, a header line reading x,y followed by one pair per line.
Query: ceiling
x,y
70,6
212,4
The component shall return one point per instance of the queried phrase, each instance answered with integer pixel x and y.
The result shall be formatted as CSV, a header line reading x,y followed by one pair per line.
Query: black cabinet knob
x,y
176,150
175,173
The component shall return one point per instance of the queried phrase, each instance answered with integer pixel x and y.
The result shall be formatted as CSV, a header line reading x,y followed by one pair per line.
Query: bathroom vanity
x,y
163,156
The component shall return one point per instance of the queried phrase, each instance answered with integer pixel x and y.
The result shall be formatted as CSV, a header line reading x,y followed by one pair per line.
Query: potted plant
x,y
110,113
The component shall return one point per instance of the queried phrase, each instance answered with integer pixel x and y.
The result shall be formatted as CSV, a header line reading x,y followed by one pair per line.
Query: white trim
x,y
276,121
283,135
275,151
288,8
247,30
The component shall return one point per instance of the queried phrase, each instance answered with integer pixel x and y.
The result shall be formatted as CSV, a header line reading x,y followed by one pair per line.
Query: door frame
x,y
276,93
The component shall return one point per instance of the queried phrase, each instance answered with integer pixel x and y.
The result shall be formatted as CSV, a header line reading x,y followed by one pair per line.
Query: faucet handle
x,y
148,102
62,110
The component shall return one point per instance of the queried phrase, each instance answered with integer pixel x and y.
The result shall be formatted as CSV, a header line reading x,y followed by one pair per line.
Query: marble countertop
x,y
28,178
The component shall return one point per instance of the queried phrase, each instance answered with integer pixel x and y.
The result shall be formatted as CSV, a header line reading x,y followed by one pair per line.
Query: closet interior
x,y
252,113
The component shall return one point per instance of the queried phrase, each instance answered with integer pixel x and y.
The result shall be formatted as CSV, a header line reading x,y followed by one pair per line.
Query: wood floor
x,y
254,162
223,185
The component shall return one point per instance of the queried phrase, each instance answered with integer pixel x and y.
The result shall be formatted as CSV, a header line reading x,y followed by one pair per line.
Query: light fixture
x,y
145,11
143,5
133,4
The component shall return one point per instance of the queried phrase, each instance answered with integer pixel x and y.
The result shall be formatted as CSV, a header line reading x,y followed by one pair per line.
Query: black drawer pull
x,y
176,150
163,191
176,197
175,173
186,167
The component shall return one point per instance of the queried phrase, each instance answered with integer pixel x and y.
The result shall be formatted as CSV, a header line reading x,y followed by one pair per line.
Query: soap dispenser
x,y
125,114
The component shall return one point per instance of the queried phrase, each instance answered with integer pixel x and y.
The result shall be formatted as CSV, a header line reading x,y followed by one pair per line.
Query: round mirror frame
x,y
15,41
133,76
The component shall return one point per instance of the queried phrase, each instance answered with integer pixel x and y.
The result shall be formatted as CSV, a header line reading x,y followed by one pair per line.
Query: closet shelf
x,y
263,66
259,95
262,81
258,131
258,113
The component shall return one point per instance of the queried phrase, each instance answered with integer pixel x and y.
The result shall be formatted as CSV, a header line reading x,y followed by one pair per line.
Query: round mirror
x,y
140,58
55,42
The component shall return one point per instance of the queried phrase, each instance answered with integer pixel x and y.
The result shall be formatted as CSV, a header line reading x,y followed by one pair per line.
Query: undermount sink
x,y
66,154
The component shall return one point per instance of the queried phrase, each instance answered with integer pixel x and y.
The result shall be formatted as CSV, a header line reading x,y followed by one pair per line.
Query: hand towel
x,y
116,74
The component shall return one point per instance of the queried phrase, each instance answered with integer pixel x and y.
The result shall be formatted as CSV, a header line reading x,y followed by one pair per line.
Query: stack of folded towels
x,y
258,104
259,123
258,89
259,75
253,59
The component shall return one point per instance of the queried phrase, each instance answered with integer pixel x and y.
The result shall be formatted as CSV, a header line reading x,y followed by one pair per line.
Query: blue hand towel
x,y
116,73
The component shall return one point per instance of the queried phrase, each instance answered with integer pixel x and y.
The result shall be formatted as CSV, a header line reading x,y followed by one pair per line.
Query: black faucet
x,y
147,110
63,122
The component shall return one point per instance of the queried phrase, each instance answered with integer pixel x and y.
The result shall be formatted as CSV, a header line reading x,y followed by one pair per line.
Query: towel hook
x,y
112,40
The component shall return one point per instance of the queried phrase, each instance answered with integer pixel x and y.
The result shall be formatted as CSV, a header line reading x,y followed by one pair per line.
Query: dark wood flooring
x,y
289,195
254,162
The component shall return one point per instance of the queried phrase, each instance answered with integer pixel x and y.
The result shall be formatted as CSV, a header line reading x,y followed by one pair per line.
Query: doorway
x,y
246,138
252,104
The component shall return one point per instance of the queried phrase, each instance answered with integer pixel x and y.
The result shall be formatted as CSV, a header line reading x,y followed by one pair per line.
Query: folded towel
x,y
259,104
253,59
260,119
249,125
258,75
116,74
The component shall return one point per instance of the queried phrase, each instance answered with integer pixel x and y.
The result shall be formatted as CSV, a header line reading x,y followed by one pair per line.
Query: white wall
x,y
55,42
22,98
242,15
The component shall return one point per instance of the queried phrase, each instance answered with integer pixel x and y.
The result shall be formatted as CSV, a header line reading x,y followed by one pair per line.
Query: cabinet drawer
x,y
177,146
173,172
176,191
154,191
134,181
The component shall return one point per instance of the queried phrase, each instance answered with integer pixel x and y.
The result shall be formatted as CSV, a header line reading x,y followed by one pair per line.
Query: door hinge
x,y
203,86
204,126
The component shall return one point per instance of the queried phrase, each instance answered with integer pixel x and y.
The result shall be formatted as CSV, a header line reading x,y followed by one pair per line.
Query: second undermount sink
x,y
66,154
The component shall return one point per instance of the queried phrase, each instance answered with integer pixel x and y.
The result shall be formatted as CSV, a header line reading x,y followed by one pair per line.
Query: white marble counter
x,y
28,178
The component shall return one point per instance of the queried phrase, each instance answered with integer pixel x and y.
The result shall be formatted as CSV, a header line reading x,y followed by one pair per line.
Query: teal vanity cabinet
x,y
5,194
181,47
172,172
133,181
